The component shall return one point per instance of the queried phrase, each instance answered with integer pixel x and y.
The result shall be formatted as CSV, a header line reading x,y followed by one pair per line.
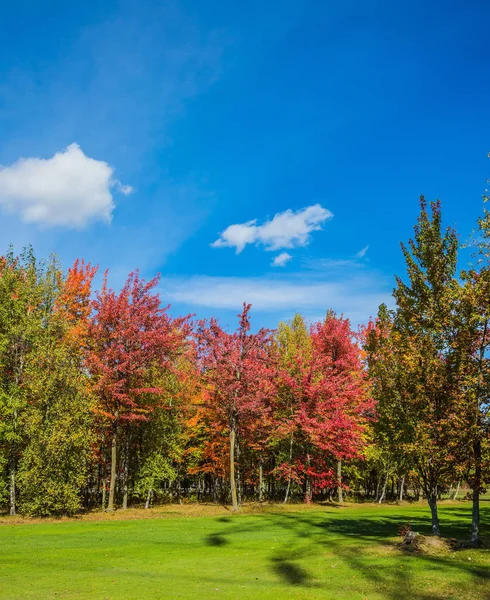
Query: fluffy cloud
x,y
289,229
70,189
281,259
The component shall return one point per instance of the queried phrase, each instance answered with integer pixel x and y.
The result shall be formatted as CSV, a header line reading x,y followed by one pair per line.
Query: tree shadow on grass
x,y
396,583
215,539
289,572
403,582
224,520
359,543
455,522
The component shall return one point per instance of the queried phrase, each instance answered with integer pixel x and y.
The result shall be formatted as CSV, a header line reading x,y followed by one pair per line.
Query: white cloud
x,y
331,264
289,229
362,253
281,259
357,297
70,189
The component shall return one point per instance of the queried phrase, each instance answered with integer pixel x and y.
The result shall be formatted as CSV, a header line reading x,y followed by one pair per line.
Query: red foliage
x,y
239,383
330,405
130,334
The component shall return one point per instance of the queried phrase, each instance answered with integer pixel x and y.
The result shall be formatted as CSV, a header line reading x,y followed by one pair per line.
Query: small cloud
x,y
331,264
362,253
281,259
289,229
69,189
124,189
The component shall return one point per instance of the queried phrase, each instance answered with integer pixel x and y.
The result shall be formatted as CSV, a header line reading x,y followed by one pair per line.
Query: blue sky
x,y
169,122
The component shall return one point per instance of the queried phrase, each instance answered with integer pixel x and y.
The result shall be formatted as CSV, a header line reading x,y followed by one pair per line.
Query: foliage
x,y
105,391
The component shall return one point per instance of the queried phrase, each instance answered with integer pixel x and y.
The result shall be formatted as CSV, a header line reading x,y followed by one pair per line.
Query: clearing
x,y
271,551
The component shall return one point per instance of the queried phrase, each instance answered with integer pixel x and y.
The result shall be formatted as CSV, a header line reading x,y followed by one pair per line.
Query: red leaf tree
x,y
239,381
328,407
132,338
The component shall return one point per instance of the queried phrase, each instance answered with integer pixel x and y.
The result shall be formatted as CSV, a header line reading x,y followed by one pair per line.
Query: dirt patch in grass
x,y
431,545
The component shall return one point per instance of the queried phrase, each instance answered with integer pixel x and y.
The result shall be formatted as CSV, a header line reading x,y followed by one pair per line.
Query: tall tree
x,y
473,344
20,324
424,405
390,378
239,380
131,338
294,348
324,382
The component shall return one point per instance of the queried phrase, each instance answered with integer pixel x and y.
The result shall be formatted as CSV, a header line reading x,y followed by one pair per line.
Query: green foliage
x,y
45,408
86,384
155,470
412,362
54,464
21,309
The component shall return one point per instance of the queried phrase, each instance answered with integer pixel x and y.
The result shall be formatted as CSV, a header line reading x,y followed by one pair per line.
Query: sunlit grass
x,y
263,552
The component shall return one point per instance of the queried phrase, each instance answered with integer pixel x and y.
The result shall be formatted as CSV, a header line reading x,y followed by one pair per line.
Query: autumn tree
x,y
473,344
389,379
132,338
239,379
419,408
162,438
73,305
326,407
294,349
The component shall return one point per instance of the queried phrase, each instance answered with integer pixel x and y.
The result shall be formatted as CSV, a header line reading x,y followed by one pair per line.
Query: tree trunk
x,y
148,498
237,470
475,513
112,488
339,479
104,485
13,465
402,485
288,487
178,485
261,480
457,491
12,488
125,493
308,491
477,450
383,492
475,518
125,477
432,500
234,499
290,462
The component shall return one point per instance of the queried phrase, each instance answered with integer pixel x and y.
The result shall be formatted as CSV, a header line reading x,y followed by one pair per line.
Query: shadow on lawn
x,y
394,581
289,572
215,539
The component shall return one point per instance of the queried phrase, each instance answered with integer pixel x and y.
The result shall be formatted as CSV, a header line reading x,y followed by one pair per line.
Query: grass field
x,y
271,552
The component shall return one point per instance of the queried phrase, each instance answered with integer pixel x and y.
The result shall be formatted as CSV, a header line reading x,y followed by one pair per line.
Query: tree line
x,y
107,400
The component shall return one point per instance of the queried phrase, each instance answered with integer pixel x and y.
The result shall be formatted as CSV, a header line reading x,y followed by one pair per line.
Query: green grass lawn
x,y
294,552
